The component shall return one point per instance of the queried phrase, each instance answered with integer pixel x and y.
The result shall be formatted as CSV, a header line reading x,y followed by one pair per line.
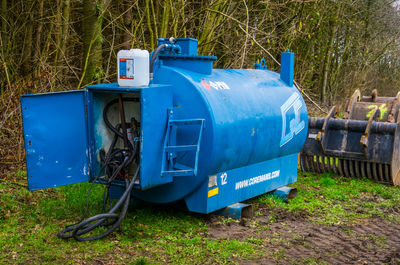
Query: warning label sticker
x,y
126,68
212,192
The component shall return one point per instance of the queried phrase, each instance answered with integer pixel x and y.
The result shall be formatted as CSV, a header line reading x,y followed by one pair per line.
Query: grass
x,y
29,222
338,200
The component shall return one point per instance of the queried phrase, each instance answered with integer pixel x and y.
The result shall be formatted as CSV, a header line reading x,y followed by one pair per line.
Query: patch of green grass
x,y
140,261
340,114
256,241
30,221
326,181
20,173
336,200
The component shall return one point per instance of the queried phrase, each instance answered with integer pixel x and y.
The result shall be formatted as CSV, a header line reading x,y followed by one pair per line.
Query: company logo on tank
x,y
296,125
217,85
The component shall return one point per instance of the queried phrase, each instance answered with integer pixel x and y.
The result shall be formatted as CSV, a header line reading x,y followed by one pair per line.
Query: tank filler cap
x,y
172,40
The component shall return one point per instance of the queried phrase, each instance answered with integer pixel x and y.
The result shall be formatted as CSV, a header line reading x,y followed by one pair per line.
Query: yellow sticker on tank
x,y
212,192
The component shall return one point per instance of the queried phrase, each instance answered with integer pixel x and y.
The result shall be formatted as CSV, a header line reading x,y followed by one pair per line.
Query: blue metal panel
x,y
155,104
202,66
236,210
188,45
287,67
187,58
114,87
55,134
285,193
243,183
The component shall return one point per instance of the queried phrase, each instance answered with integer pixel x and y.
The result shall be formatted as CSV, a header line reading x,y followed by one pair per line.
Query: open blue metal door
x,y
155,101
55,133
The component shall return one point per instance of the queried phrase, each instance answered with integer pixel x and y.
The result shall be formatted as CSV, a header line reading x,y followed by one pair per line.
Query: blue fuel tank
x,y
210,137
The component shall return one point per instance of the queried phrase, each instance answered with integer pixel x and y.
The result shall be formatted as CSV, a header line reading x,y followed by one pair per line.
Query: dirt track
x,y
294,239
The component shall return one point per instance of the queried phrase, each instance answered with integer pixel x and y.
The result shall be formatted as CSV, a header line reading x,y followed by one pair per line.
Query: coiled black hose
x,y
85,226
105,112
114,156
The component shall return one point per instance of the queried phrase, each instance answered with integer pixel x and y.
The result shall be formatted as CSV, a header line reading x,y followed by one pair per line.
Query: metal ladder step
x,y
169,166
180,148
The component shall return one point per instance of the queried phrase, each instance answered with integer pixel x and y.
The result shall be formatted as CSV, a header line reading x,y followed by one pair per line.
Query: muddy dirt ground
x,y
295,239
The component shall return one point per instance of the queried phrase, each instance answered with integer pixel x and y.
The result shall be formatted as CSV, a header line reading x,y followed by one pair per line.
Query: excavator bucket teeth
x,y
335,165
346,168
352,170
380,172
340,167
364,143
357,168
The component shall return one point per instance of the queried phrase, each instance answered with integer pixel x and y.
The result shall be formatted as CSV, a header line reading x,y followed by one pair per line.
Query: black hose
x,y
114,162
155,54
105,111
85,226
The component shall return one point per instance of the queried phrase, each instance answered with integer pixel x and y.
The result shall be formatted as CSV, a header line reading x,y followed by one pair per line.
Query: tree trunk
x,y
4,23
328,57
165,20
65,25
62,24
149,26
183,17
154,19
38,46
92,69
367,23
127,20
27,48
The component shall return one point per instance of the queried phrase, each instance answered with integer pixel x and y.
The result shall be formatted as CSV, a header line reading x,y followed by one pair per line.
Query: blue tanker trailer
x,y
208,137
